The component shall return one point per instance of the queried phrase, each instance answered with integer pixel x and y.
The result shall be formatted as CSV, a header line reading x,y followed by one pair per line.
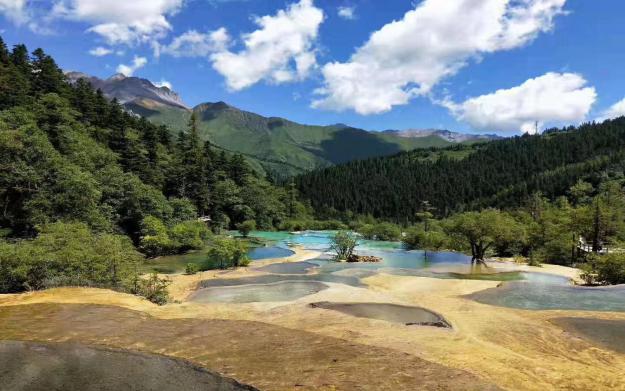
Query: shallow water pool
x,y
279,291
270,252
388,312
288,268
532,296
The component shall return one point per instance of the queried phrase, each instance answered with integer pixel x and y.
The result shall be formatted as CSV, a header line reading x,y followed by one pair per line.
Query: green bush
x,y
189,235
226,253
317,225
417,238
246,227
67,254
152,288
381,231
191,268
343,244
533,260
295,225
608,269
328,225
155,239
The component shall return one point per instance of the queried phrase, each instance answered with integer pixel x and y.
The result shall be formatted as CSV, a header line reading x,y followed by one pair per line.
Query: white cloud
x,y
100,51
14,10
163,83
196,44
23,13
408,57
549,99
281,50
616,110
129,70
121,21
348,13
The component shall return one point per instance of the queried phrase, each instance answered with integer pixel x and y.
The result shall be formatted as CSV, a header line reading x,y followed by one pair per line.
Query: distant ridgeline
x,y
498,174
273,145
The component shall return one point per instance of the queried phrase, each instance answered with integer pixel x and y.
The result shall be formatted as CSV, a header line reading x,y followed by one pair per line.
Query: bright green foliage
x,y
479,232
67,254
67,153
189,235
155,237
227,252
605,269
158,239
419,238
191,268
311,224
246,227
380,231
343,244
153,288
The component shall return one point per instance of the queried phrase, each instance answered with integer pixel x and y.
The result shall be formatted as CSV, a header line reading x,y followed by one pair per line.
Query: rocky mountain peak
x,y
130,89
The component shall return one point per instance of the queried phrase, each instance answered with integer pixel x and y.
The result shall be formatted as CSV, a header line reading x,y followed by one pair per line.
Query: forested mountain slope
x,y
67,153
499,173
272,145
279,146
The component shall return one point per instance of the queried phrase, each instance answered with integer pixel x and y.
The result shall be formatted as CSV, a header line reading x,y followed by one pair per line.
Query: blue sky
x,y
466,65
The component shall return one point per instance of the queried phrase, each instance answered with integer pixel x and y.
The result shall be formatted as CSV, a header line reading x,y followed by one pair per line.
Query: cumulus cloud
x,y
129,70
281,50
196,44
408,57
348,13
121,21
14,10
100,51
616,110
549,99
163,83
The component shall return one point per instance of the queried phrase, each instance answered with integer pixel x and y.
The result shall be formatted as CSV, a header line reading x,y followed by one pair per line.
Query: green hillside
x,y
502,174
279,146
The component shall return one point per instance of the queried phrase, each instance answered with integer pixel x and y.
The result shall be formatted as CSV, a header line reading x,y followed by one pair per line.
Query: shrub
x,y
189,235
381,231
67,254
606,269
152,288
534,260
246,227
417,238
191,268
343,243
155,239
226,253
295,225
326,225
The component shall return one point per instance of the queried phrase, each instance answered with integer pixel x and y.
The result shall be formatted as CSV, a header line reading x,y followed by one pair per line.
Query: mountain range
x,y
272,145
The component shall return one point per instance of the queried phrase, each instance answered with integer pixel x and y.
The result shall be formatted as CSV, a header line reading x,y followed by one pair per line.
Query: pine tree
x,y
4,53
47,76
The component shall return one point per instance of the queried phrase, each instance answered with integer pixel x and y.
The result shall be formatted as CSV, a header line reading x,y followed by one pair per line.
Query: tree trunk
x,y
596,228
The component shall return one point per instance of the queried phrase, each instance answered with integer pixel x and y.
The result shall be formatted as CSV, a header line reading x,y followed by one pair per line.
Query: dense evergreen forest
x,y
69,154
86,186
500,174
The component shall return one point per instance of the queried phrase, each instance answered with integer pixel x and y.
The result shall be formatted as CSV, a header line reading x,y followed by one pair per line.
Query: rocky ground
x,y
279,346
30,366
